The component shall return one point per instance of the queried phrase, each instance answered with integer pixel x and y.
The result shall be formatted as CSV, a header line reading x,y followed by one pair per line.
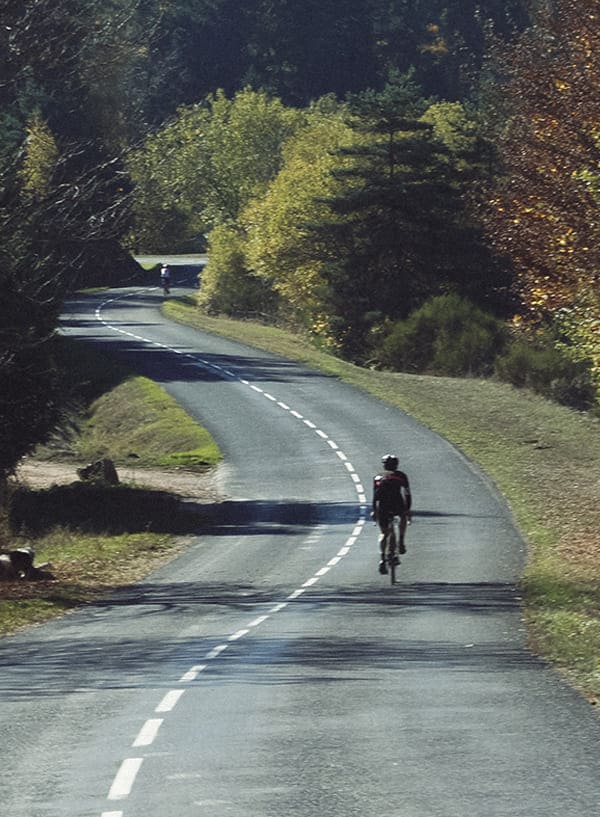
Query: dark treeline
x,y
300,51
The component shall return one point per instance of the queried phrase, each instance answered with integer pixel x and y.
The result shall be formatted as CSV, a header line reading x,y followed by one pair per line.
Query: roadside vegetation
x,y
544,458
100,537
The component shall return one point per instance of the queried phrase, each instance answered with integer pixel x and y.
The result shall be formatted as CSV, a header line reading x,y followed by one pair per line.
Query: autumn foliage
x,y
543,213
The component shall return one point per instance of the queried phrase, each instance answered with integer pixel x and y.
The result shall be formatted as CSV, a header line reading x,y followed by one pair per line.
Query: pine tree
x,y
404,235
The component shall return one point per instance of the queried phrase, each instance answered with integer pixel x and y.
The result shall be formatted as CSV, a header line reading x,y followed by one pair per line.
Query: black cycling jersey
x,y
391,494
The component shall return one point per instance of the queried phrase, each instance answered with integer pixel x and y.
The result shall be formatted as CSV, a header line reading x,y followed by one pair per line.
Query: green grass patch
x,y
125,417
96,536
138,421
544,458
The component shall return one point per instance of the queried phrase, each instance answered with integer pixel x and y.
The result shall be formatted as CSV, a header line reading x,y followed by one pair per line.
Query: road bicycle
x,y
390,547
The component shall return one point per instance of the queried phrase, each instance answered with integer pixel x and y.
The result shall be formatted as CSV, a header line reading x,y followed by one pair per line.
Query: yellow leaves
x,y
41,155
277,245
544,215
437,46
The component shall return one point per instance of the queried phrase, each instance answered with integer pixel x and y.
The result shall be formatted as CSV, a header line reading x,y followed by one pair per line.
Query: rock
x,y
103,470
18,565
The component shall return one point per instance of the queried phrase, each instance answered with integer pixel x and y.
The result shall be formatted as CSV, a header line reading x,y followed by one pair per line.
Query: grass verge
x,y
125,417
100,537
543,457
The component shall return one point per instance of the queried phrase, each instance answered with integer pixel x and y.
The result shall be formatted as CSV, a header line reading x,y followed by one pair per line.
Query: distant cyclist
x,y
391,497
165,278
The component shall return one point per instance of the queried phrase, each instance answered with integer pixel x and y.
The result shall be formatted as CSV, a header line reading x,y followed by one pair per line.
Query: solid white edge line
x,y
125,778
112,814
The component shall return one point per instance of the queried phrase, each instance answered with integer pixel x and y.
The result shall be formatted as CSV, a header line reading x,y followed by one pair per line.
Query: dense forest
x,y
414,183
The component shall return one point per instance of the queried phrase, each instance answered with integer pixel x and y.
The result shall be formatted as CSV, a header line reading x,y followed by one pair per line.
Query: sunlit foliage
x,y
281,247
544,212
201,169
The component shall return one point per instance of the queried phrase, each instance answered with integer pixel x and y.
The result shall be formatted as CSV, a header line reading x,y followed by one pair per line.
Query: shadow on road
x,y
72,662
187,365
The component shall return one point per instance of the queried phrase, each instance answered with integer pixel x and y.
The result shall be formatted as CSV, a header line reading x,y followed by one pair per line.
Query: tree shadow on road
x,y
75,660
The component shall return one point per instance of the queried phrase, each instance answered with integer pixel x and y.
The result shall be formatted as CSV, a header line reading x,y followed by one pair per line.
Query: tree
x,y
63,206
196,47
543,213
444,41
303,51
201,169
280,246
400,227
228,286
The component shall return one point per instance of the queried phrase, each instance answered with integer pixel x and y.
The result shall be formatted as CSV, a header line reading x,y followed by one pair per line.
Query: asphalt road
x,y
270,671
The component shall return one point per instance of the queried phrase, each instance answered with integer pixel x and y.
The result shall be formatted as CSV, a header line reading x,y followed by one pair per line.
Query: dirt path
x,y
187,484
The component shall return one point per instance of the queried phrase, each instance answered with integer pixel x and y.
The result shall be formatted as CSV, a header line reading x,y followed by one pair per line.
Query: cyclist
x,y
391,497
165,278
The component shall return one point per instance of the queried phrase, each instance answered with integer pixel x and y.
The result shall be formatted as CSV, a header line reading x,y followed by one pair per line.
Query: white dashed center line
x,y
126,775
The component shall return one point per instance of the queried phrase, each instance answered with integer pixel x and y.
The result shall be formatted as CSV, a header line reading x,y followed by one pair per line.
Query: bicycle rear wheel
x,y
391,553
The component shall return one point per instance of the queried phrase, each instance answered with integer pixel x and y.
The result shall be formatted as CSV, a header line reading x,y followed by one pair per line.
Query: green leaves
x,y
200,170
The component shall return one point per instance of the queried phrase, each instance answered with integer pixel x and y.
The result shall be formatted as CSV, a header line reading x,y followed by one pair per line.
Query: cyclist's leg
x,y
383,538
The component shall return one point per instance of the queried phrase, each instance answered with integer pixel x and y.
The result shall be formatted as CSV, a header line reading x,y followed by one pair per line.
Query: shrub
x,y
548,370
228,287
448,335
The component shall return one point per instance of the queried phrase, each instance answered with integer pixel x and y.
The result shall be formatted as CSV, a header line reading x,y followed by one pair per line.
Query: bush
x,y
228,287
448,335
548,370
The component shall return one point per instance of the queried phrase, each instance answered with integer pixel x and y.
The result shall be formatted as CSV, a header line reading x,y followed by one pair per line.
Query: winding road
x,y
270,671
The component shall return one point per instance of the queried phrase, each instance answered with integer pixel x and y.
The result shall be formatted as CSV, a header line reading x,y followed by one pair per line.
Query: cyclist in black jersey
x,y
391,497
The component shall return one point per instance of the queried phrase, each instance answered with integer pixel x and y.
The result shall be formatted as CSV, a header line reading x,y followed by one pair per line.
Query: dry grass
x,y
87,567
